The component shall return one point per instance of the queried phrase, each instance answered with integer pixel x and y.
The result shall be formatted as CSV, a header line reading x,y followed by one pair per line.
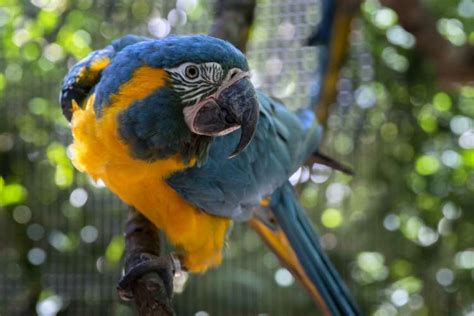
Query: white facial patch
x,y
194,81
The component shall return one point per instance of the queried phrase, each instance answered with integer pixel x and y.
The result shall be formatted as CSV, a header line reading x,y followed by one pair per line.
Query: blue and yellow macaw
x,y
175,128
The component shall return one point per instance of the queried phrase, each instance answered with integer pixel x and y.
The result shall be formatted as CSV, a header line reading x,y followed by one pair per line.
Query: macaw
x,y
175,128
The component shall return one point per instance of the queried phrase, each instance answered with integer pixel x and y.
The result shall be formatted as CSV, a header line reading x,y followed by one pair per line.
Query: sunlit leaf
x,y
442,102
115,249
427,165
331,218
411,284
12,194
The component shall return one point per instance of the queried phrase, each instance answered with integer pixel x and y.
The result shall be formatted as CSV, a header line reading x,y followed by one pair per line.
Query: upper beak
x,y
231,107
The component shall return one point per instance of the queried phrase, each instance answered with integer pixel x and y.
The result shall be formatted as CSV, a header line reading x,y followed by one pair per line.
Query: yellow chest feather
x,y
100,152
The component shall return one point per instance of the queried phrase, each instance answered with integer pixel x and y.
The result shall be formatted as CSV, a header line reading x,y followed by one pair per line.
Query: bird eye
x,y
192,72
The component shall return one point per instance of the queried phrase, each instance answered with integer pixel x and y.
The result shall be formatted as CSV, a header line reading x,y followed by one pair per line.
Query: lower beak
x,y
232,108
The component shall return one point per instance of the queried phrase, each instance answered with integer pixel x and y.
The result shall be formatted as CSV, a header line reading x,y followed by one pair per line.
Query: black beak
x,y
235,106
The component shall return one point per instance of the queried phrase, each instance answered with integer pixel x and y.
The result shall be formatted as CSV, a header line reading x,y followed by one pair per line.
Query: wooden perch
x,y
142,239
454,65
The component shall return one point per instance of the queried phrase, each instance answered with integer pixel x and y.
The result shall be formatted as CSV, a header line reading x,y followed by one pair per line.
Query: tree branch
x,y
233,20
454,65
143,239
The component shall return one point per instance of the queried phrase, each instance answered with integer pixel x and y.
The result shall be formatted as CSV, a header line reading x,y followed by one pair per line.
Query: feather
x,y
296,225
278,148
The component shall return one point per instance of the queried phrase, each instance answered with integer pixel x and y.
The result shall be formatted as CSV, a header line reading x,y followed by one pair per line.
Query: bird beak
x,y
233,106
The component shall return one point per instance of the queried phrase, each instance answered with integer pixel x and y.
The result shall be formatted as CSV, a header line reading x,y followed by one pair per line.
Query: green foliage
x,y
400,230
64,174
11,194
115,249
414,170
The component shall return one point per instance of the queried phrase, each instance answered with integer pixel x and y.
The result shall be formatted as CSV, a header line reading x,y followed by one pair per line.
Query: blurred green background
x,y
401,231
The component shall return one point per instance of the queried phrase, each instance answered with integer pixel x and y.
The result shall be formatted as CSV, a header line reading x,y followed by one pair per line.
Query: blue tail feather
x,y
304,241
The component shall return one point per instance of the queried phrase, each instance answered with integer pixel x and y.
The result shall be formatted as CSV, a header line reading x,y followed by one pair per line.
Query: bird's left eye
x,y
192,72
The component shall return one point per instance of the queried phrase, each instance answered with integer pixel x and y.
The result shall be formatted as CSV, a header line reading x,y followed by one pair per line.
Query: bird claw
x,y
165,266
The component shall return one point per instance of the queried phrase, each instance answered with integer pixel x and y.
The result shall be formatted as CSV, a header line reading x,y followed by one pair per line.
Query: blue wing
x,y
230,187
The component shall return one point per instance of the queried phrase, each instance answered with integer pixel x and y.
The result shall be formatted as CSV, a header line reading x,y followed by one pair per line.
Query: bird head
x,y
177,94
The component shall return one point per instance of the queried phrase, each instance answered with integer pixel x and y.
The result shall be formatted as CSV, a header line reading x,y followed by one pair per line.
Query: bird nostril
x,y
228,118
233,73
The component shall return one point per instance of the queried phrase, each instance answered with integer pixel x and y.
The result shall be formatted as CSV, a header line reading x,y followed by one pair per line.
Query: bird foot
x,y
167,267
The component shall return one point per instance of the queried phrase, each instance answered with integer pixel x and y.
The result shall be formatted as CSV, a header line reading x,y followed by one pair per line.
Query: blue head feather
x,y
154,127
165,53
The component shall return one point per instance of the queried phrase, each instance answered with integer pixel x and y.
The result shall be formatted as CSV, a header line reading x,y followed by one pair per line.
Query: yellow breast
x,y
100,152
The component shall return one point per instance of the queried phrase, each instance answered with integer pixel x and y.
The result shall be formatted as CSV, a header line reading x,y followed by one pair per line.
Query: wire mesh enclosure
x,y
61,234
71,243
